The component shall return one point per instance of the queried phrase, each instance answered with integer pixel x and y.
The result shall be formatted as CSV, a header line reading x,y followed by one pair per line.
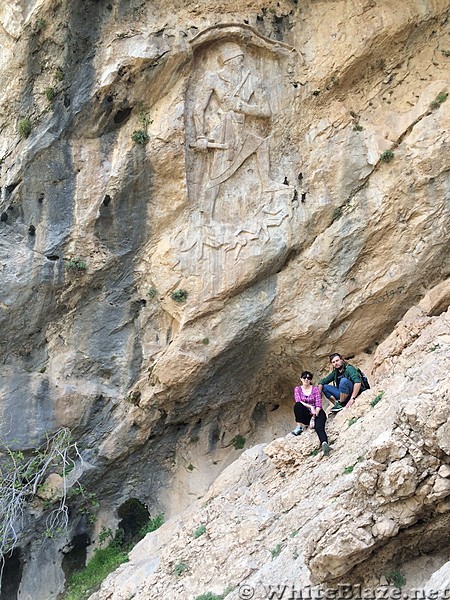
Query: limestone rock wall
x,y
282,515
159,299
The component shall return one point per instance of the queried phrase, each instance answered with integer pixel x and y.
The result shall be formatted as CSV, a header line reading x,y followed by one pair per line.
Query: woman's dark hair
x,y
306,374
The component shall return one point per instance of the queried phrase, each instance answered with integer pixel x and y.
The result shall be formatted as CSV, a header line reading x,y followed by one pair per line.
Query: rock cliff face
x,y
197,201
283,516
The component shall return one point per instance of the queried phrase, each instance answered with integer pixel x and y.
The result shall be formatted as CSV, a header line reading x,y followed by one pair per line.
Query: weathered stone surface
x,y
289,234
302,519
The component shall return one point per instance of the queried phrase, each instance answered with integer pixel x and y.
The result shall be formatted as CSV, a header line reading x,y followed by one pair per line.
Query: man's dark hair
x,y
335,354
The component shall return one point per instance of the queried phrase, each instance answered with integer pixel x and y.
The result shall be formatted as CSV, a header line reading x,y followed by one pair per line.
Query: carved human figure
x,y
240,102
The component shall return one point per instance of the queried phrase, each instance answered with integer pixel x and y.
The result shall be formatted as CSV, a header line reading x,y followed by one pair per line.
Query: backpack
x,y
365,382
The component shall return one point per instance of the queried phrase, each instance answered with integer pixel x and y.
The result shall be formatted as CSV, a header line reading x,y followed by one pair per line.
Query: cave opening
x,y
133,517
75,559
12,575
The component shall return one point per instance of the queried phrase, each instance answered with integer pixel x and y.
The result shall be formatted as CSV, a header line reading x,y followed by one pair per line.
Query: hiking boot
x,y
325,448
337,407
298,430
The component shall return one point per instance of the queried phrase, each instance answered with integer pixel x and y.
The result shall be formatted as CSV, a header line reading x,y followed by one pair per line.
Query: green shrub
x,y
446,52
40,25
152,293
358,127
349,469
24,127
209,596
377,398
352,421
190,467
59,74
276,551
440,98
201,529
152,525
179,296
140,137
83,583
50,94
396,578
238,442
104,561
179,569
205,341
387,156
75,265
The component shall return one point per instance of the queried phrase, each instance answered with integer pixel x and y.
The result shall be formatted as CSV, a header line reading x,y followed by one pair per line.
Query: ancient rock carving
x,y
240,101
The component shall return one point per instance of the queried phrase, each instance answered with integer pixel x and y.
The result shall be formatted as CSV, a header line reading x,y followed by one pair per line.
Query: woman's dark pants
x,y
302,415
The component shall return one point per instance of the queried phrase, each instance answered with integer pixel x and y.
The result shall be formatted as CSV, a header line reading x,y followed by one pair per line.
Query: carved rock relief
x,y
240,200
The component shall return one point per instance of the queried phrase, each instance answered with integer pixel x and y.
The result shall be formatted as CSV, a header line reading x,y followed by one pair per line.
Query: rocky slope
x,y
159,298
282,516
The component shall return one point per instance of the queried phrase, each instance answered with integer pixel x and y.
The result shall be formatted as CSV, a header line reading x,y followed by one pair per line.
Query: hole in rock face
x,y
4,217
12,575
106,200
75,559
133,516
11,187
121,115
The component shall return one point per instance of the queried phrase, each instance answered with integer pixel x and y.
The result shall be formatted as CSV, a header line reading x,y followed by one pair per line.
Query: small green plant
x,y
352,421
179,569
144,119
82,583
75,266
105,533
24,127
337,213
40,25
205,341
433,348
446,53
50,94
209,596
201,529
42,369
59,74
387,156
349,469
396,578
377,398
152,525
238,442
152,293
314,452
440,98
90,505
139,136
276,551
190,467
194,439
358,127
179,295
294,533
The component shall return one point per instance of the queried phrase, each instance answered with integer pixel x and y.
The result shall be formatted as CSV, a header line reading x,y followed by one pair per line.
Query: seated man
x,y
348,383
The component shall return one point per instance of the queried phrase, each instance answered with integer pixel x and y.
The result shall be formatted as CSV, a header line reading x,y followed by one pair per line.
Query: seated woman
x,y
308,410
